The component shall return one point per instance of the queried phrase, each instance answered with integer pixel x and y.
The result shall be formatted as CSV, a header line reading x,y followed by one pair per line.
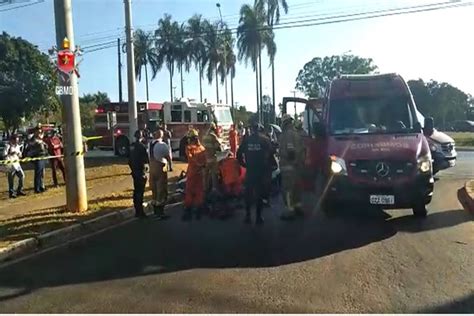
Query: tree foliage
x,y
27,81
440,100
313,79
242,115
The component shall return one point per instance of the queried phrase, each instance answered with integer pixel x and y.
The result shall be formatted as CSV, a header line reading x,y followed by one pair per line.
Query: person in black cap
x,y
254,154
138,161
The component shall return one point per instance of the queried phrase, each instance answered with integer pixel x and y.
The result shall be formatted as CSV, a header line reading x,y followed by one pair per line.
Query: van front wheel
x,y
420,210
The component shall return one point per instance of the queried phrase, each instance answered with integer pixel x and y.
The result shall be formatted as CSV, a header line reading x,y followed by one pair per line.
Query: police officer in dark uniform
x,y
138,161
254,154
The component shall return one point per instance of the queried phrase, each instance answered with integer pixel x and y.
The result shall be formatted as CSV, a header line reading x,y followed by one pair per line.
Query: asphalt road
x,y
359,261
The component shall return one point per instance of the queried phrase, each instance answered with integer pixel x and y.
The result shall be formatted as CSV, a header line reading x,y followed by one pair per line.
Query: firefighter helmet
x,y
286,119
193,133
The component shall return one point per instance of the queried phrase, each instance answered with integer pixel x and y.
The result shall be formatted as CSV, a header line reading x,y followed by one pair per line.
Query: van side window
x,y
176,114
202,116
187,116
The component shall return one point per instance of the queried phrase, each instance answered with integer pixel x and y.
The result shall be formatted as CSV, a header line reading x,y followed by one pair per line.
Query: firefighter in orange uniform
x,y
230,171
233,140
194,192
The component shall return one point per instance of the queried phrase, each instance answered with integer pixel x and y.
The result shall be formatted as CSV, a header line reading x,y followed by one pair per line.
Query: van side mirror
x,y
417,127
429,126
319,129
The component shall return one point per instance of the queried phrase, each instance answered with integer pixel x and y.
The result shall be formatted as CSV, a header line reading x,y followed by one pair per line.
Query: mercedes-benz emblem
x,y
382,169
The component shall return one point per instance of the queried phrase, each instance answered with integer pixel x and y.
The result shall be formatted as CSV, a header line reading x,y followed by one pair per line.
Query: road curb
x,y
18,248
80,230
467,149
466,196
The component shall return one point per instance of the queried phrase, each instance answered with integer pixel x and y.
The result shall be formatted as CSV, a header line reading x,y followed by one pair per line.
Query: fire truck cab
x,y
179,116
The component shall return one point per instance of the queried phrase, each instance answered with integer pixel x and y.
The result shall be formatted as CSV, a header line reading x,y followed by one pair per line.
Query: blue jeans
x,y
11,177
39,175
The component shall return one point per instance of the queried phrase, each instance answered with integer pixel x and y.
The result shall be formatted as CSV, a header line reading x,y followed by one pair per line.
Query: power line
x,y
288,18
21,6
374,16
347,17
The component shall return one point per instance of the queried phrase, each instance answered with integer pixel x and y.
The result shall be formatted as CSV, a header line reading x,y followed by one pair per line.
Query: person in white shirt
x,y
12,152
159,160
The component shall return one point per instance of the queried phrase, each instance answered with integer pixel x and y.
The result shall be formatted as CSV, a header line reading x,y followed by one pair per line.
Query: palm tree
x,y
183,53
213,56
197,45
252,36
145,54
227,64
273,17
166,43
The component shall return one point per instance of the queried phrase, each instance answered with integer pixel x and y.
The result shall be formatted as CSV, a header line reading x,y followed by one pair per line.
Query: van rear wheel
x,y
420,210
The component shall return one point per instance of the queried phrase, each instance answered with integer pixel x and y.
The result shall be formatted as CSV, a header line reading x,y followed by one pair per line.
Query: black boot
x,y
198,213
187,216
247,220
259,220
160,212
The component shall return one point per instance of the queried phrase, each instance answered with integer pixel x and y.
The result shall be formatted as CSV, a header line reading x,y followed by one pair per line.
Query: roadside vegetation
x,y
465,139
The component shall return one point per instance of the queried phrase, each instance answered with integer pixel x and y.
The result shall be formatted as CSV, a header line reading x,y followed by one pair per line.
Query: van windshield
x,y
223,115
370,115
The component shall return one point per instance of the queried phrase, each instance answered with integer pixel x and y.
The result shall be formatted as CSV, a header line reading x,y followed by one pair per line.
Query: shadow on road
x,y
463,305
152,247
170,246
431,222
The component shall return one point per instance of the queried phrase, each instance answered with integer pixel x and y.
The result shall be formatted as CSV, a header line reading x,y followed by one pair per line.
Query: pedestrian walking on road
x,y
194,192
138,161
253,154
167,139
291,159
38,149
13,152
159,159
233,140
241,131
55,147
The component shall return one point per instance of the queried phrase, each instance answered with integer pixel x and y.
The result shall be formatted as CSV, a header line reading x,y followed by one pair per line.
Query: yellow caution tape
x,y
29,159
94,137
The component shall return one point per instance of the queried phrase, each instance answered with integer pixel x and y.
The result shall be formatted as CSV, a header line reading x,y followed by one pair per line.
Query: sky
x,y
427,45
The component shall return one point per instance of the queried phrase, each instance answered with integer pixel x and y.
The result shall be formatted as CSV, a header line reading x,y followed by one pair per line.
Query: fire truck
x,y
179,116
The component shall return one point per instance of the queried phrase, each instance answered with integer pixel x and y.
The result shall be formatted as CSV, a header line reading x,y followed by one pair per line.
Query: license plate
x,y
452,163
382,199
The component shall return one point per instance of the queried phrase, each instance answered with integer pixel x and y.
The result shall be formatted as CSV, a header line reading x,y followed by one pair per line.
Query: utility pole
x,y
132,102
218,5
76,190
119,70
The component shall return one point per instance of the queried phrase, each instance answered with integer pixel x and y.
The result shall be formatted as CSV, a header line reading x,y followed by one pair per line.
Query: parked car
x,y
462,126
442,147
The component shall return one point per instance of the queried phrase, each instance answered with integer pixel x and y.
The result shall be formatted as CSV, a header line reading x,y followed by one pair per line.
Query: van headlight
x,y
434,147
338,166
424,163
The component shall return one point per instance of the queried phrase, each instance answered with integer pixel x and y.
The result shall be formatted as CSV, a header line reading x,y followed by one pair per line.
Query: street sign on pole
x,y
111,120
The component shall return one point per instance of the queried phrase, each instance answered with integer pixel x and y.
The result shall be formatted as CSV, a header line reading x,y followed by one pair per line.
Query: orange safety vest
x,y
230,171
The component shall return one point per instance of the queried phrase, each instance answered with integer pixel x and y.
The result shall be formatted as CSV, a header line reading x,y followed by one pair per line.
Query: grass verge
x,y
462,139
39,222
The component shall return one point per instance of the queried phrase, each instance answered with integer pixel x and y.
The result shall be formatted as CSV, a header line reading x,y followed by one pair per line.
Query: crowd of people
x,y
39,146
244,172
